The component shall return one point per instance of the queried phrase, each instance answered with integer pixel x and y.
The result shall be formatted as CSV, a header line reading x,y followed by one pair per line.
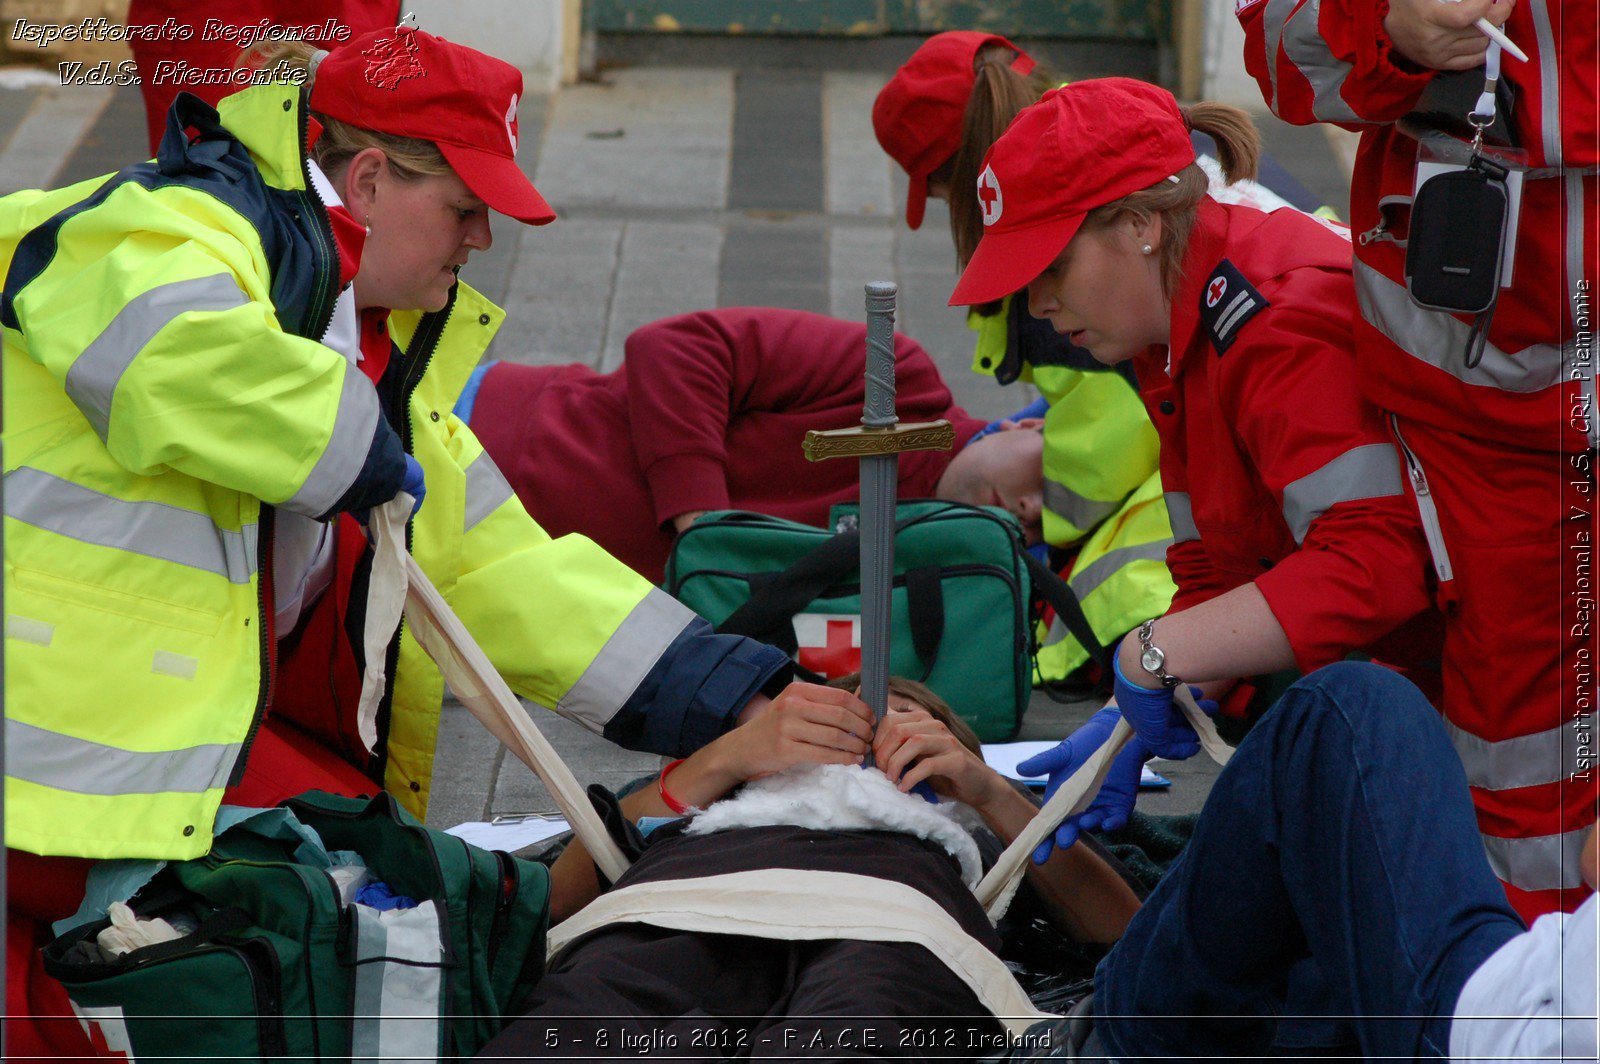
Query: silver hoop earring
x,y
1146,249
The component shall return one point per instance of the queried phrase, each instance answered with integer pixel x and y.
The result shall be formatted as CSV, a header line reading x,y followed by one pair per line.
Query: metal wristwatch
x,y
1151,657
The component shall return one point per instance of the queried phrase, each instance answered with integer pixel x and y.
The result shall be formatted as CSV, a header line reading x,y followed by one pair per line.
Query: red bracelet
x,y
661,786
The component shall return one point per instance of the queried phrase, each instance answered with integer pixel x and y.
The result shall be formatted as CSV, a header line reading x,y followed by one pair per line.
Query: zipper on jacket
x,y
1426,508
326,284
414,363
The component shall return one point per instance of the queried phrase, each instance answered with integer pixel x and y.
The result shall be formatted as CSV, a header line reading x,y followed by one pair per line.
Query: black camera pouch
x,y
1458,233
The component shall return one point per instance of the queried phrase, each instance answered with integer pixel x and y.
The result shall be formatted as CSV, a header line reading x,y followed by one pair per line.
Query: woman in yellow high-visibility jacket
x,y
209,360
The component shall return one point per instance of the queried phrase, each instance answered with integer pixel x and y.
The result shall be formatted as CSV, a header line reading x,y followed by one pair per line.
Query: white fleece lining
x,y
845,798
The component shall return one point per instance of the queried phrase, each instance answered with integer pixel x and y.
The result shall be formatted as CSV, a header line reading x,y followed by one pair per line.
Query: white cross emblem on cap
x,y
989,197
511,123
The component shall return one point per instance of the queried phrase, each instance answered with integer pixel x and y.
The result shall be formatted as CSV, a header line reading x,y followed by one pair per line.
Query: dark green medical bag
x,y
279,966
960,612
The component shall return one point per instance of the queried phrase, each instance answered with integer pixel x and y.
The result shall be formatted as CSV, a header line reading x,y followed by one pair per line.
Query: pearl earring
x,y
1146,249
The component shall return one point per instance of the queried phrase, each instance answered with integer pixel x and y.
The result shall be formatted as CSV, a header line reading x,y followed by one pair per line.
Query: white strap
x,y
792,906
386,598
997,888
475,681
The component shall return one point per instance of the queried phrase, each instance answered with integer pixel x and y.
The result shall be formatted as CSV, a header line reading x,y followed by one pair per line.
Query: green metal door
x,y
1117,20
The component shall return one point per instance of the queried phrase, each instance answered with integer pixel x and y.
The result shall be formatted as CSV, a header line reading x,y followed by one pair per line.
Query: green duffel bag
x,y
279,966
960,614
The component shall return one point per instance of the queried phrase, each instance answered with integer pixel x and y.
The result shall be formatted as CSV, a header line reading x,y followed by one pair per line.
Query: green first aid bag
x,y
960,614
279,966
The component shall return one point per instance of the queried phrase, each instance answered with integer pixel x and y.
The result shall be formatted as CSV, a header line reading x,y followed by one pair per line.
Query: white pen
x,y
1497,35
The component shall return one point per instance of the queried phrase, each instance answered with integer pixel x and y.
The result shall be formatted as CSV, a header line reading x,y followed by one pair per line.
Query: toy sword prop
x,y
878,443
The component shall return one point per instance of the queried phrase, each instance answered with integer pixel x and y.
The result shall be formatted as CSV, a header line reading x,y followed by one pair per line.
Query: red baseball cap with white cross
x,y
409,83
1080,147
918,115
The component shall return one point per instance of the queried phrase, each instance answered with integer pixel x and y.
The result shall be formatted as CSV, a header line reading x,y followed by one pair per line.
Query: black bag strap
x,y
1059,594
773,604
925,603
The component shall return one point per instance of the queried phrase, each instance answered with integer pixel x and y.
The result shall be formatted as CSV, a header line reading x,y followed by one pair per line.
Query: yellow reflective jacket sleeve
x,y
155,315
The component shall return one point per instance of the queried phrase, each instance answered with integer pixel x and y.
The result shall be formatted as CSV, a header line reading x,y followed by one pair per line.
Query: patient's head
x,y
1005,469
907,694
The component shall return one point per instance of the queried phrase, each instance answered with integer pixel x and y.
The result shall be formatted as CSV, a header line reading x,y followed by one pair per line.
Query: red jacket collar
x,y
1208,243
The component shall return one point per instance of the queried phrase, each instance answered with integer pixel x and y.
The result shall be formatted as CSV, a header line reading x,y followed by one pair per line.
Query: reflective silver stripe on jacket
x,y
154,529
1304,45
625,660
1077,510
1272,19
67,763
399,983
487,490
1440,340
1549,83
1548,862
1180,514
1088,579
92,381
357,422
1527,760
1095,575
1371,471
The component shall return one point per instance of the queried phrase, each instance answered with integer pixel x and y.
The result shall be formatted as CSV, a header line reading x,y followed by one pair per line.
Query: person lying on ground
x,y
1342,830
810,808
707,412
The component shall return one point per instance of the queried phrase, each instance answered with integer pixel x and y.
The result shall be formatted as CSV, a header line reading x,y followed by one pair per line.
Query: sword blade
x,y
879,481
879,477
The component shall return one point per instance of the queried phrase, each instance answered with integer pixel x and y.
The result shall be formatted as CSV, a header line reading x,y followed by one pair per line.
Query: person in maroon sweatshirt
x,y
707,412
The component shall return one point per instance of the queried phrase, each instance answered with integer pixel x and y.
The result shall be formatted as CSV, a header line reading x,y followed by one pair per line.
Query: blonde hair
x,y
923,695
409,158
1178,201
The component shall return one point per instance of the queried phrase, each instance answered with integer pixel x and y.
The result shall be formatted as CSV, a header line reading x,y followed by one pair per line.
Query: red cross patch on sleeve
x,y
1227,301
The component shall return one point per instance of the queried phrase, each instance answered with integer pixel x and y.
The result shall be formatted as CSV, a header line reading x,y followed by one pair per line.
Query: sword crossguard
x,y
863,442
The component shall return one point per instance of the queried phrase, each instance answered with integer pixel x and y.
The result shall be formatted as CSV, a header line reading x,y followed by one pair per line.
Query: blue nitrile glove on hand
x,y
1154,716
414,484
1111,807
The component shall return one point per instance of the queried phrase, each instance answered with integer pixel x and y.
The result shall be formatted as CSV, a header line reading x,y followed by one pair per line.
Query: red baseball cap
x,y
412,84
918,114
1080,147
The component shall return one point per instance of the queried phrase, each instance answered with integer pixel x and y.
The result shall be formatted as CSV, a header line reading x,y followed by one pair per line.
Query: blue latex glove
x,y
1110,808
414,484
1066,758
1154,716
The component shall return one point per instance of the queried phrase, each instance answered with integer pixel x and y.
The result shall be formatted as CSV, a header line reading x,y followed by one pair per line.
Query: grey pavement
x,y
679,187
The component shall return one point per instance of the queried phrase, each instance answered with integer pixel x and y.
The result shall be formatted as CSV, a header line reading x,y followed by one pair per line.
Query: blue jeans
x,y
1341,830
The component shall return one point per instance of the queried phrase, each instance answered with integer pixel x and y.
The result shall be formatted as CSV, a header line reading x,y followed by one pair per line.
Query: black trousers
x,y
631,991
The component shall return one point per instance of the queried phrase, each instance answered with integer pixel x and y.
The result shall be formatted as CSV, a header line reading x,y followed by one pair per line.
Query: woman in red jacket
x,y
1503,442
1295,542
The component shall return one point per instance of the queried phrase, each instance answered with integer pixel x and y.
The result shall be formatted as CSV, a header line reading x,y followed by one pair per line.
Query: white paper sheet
x,y
509,837
1004,758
